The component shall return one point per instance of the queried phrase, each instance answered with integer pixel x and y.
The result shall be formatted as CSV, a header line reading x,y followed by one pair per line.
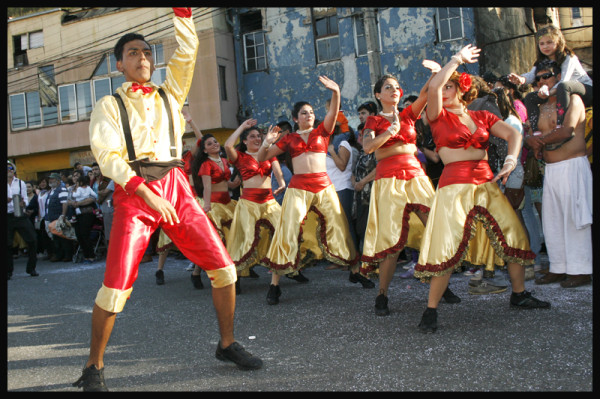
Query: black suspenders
x,y
127,129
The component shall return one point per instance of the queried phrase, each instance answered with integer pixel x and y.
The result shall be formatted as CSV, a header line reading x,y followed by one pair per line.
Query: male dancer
x,y
165,200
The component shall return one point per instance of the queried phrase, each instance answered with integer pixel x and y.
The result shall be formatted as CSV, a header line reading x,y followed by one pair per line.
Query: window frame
x,y
35,39
327,37
12,113
360,16
439,21
31,115
61,103
49,115
256,57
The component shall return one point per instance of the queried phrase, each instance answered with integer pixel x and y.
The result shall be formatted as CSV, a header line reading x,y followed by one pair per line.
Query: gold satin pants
x,y
471,222
312,226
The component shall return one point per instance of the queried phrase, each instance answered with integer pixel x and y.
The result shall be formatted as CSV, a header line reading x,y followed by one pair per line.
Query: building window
x,y
576,17
157,52
116,82
101,88
34,110
68,103
84,100
254,51
36,39
449,23
50,115
327,41
360,37
19,51
253,41
159,75
48,92
18,118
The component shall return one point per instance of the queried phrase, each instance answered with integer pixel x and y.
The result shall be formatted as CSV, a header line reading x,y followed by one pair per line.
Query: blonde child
x,y
551,45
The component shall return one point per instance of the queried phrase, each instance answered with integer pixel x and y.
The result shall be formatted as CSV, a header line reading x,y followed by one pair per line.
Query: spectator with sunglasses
x,y
551,46
567,195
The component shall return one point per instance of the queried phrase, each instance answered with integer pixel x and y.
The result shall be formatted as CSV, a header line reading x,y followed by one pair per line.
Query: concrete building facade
x,y
60,63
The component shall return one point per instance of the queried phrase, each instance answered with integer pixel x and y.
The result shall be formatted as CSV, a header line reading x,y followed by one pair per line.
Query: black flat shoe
x,y
359,278
273,294
91,380
197,281
381,305
160,277
298,277
450,297
428,322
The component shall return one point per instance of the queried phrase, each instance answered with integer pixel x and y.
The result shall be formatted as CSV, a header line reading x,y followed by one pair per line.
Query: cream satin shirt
x,y
147,117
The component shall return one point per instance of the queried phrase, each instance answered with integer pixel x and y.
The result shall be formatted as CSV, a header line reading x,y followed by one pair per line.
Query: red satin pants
x,y
133,224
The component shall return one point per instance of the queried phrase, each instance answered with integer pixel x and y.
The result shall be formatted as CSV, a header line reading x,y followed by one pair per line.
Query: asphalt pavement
x,y
322,336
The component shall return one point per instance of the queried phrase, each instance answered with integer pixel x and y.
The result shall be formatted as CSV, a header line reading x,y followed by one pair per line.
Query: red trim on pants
x,y
134,222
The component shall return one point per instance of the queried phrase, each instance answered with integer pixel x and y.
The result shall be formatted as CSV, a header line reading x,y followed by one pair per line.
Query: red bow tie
x,y
145,89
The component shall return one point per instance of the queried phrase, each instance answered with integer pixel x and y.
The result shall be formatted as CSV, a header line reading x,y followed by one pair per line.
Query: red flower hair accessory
x,y
464,82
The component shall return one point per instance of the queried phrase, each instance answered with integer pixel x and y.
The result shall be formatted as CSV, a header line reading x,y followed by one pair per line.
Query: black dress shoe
x,y
524,300
33,273
237,354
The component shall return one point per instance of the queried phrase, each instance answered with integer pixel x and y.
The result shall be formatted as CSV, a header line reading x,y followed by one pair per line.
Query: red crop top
x,y
448,131
249,166
407,133
210,168
318,140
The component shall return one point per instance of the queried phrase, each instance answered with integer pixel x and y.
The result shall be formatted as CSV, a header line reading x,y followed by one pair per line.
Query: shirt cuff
x,y
133,184
183,12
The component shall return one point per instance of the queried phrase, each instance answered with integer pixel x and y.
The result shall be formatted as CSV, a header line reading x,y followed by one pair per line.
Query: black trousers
x,y
44,240
83,229
27,231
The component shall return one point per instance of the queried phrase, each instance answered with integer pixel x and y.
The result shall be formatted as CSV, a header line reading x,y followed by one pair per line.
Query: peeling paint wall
x,y
407,37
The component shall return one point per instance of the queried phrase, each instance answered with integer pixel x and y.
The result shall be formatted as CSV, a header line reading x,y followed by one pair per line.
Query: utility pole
x,y
373,53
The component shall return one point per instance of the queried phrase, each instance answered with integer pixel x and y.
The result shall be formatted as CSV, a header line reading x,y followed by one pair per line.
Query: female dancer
x,y
402,193
467,198
257,212
296,241
214,174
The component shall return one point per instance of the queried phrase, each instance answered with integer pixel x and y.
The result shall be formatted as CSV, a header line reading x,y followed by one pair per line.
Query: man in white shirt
x,y
22,223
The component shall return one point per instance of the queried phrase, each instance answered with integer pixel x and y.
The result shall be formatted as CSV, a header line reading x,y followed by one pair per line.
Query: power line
x,y
530,34
94,59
